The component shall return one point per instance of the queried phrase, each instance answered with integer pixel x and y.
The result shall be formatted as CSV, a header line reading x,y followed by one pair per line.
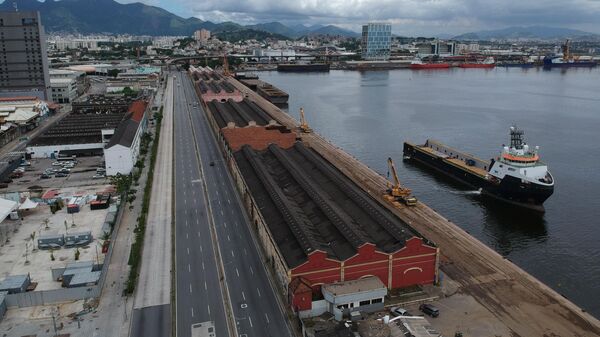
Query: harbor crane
x,y
303,124
226,71
397,192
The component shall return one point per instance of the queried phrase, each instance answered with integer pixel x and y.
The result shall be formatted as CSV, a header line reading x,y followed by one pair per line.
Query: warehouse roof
x,y
309,205
239,113
354,286
124,134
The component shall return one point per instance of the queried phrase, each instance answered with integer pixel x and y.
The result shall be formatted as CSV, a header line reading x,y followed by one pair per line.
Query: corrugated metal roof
x,y
14,281
85,278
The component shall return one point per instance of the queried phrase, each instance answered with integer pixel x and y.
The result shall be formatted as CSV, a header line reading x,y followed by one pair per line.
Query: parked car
x,y
98,176
57,163
397,311
65,170
61,175
429,309
45,176
212,163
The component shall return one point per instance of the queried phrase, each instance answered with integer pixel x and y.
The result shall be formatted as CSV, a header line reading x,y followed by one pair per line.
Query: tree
x,y
127,91
113,72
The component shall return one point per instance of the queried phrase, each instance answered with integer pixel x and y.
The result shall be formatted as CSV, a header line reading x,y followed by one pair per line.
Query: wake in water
x,y
476,192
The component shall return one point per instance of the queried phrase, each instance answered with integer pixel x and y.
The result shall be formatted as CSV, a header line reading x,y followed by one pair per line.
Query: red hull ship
x,y
477,65
429,66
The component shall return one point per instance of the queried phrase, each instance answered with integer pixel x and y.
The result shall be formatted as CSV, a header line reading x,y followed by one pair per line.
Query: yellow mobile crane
x,y
303,124
396,191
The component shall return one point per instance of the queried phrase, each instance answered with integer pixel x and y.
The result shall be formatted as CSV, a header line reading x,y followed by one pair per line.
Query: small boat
x,y
418,64
487,63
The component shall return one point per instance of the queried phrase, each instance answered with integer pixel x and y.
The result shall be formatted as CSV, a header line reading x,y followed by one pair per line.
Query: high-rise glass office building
x,y
376,41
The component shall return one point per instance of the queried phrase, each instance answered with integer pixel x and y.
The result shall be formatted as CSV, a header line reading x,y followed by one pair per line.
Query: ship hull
x,y
301,68
430,66
477,65
509,189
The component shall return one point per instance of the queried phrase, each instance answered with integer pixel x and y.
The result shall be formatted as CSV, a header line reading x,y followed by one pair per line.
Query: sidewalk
x,y
154,283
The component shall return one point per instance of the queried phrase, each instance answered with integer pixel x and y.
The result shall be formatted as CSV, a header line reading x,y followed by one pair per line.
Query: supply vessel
x,y
517,176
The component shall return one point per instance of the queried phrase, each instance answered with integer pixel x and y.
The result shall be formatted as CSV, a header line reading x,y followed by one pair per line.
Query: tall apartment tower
x,y
376,41
23,56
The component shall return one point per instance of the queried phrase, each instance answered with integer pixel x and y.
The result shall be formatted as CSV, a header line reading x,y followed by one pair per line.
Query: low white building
x,y
123,149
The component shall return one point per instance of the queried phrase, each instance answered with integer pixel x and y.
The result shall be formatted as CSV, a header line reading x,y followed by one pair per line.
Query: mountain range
x,y
109,16
529,33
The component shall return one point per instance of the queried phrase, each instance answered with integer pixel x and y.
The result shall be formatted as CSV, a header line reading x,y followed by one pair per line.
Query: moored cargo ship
x,y
517,176
487,63
418,64
299,67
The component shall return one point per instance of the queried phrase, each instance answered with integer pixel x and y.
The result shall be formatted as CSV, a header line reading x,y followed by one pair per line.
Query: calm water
x,y
370,115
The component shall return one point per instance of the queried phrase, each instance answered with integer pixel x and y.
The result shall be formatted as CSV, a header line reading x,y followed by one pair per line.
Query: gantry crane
x,y
303,124
397,191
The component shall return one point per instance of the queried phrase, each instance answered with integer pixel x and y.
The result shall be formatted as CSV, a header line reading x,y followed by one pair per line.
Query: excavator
x,y
396,192
303,124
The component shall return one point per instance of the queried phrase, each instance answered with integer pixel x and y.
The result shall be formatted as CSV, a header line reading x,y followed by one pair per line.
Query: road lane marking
x,y
228,238
237,272
205,286
190,288
202,265
258,290
251,271
189,268
200,246
222,212
192,312
228,201
243,296
225,224
188,250
208,305
198,234
267,317
186,236
217,191
232,254
219,201
186,223
245,252
250,320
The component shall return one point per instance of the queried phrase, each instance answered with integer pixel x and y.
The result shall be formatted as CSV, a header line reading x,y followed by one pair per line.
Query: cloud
x,y
407,16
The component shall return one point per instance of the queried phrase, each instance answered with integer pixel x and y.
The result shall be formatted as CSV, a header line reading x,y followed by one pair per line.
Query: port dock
x,y
520,301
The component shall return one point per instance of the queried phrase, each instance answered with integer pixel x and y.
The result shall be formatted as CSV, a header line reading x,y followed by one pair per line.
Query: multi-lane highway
x,y
205,197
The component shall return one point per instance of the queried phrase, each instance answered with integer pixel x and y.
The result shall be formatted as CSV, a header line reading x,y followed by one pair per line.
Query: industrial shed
x,y
318,226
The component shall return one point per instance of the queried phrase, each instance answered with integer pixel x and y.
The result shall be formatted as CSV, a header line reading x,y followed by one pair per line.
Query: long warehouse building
x,y
315,225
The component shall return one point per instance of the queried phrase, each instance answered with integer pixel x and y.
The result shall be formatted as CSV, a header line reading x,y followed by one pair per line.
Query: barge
x,y
517,176
306,67
272,93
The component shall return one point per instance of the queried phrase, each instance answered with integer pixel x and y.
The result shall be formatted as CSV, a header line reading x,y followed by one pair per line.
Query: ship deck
x,y
479,171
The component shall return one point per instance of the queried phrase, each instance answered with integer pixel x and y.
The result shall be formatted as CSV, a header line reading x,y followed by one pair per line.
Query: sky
x,y
408,17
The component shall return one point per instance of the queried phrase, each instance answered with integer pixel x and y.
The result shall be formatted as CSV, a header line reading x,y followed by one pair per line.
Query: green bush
x,y
140,228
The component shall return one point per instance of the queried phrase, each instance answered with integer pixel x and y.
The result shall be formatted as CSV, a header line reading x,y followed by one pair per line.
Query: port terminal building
x,y
315,225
